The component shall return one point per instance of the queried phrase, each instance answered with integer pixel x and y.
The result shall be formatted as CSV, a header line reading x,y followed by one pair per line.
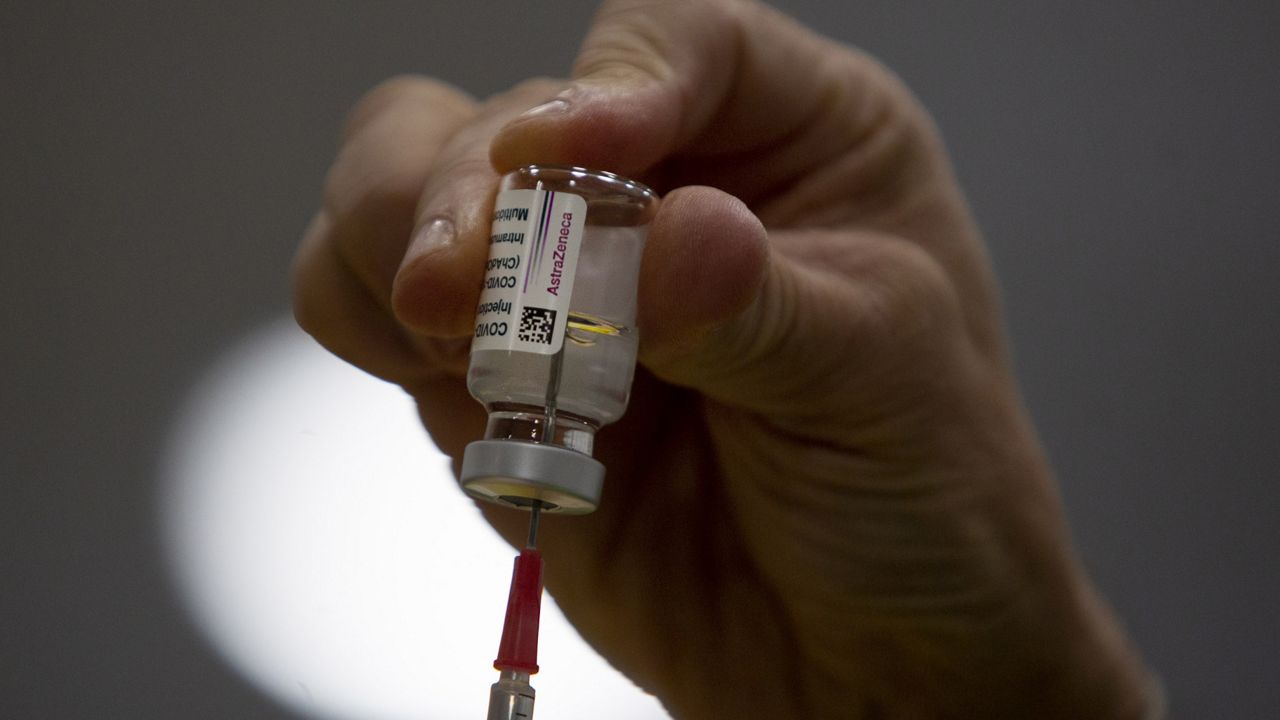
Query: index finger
x,y
658,80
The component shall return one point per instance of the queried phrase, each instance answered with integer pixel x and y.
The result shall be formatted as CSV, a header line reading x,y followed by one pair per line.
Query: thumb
x,y
787,324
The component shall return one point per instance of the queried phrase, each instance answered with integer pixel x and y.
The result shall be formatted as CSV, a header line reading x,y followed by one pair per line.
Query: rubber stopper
x,y
518,649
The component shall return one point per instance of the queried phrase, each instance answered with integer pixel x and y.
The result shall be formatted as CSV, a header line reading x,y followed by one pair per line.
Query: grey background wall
x,y
158,162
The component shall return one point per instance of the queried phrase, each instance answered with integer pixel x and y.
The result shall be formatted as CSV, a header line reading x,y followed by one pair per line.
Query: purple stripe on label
x,y
539,239
546,227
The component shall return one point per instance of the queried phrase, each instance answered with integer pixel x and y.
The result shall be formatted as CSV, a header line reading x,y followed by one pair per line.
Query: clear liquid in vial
x,y
595,375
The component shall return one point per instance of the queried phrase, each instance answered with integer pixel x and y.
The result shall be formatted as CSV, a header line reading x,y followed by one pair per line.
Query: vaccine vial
x,y
554,349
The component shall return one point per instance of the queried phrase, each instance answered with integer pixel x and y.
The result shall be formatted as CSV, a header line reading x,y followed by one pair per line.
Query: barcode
x,y
536,324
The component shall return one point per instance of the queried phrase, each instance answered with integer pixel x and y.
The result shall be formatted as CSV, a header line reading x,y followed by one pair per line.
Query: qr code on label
x,y
536,324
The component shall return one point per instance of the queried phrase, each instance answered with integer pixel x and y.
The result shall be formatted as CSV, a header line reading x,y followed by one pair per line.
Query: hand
x,y
826,499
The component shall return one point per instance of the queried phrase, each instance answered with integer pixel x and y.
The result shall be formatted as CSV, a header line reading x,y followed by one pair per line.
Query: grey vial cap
x,y
515,473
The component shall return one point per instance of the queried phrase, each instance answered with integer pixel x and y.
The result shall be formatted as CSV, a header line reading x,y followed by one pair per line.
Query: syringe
x,y
511,698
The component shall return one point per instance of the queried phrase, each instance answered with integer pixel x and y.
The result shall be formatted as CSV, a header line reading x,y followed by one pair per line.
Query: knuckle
x,y
537,87
399,89
357,198
469,164
624,51
305,316
911,302
307,312
307,272
637,39
374,102
459,182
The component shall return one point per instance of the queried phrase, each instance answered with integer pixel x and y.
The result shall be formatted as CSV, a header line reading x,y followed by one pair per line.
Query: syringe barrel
x,y
511,698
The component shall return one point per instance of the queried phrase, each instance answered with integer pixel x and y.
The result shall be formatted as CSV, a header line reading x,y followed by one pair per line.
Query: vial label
x,y
528,281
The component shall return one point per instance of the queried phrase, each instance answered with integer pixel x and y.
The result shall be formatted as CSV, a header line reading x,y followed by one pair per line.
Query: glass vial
x,y
554,349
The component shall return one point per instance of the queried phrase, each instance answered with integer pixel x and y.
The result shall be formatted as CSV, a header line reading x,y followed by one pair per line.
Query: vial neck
x,y
531,423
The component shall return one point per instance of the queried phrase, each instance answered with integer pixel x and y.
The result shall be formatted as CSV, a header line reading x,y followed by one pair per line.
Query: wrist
x,y
1053,648
1072,657
1102,674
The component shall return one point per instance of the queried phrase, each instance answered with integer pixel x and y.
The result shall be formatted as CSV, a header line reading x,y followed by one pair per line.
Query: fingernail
x,y
555,105
435,234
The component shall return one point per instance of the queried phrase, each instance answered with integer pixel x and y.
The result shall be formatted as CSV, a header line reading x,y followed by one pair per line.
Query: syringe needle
x,y
535,513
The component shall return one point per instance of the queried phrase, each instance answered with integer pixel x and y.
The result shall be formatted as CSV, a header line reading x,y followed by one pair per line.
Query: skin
x,y
826,499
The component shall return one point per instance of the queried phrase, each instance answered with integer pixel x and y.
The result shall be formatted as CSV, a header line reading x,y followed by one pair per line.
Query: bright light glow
x,y
321,542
